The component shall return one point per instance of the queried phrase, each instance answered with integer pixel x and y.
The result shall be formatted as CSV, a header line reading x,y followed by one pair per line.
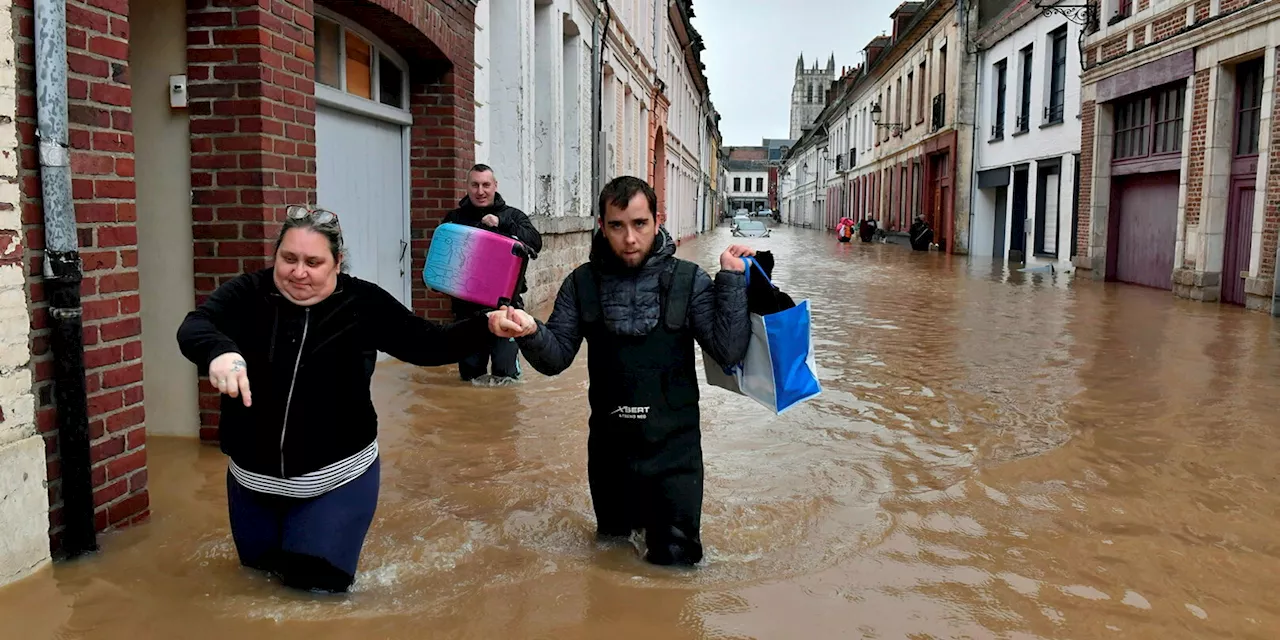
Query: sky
x,y
752,47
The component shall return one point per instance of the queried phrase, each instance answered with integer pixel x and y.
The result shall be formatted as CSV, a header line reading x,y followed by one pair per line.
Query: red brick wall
x,y
101,138
252,89
1088,119
1202,10
1169,24
252,110
1143,5
1115,47
442,149
1232,5
1271,223
1196,152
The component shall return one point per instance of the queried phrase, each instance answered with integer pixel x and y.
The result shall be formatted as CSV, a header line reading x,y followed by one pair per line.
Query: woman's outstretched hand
x,y
509,322
230,376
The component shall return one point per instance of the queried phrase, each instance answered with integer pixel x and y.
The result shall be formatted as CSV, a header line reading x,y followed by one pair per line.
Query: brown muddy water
x,y
996,455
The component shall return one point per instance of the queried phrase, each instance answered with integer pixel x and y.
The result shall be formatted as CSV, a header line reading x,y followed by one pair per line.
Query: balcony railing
x,y
1024,123
1054,112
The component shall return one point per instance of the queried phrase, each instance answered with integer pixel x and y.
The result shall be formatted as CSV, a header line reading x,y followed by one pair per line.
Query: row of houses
x,y
191,124
1127,138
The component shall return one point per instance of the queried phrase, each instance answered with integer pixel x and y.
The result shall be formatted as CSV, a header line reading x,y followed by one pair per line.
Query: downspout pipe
x,y
1275,276
62,277
600,35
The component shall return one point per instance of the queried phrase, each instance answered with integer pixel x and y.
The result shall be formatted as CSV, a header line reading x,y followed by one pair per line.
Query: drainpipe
x,y
975,148
1275,276
600,34
62,276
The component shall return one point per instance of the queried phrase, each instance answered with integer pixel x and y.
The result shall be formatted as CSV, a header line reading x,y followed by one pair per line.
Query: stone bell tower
x,y
809,94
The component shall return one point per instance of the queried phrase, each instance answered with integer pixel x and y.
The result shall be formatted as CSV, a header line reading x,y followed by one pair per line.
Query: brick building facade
x,y
1180,188
252,148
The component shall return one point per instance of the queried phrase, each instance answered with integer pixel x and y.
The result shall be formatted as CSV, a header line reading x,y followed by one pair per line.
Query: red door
x,y
1145,229
939,218
1238,241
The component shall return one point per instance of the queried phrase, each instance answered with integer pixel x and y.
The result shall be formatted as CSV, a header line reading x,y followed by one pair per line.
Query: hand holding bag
x,y
779,370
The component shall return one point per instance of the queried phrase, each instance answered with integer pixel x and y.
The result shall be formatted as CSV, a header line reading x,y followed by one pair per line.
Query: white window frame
x,y
341,99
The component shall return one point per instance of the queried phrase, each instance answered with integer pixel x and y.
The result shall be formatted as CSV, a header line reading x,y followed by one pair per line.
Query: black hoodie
x,y
511,222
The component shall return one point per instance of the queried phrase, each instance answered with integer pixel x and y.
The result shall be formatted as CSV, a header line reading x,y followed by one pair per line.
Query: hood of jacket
x,y
631,297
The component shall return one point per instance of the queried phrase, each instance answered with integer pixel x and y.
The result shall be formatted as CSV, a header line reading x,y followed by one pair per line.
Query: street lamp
x,y
895,128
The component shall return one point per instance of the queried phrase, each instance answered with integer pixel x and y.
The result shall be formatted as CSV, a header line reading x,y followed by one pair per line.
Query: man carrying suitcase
x,y
641,309
484,207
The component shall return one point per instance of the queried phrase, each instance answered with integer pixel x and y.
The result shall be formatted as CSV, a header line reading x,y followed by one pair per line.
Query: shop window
x,y
1150,124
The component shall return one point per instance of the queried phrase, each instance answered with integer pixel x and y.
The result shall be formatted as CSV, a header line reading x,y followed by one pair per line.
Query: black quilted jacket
x,y
630,300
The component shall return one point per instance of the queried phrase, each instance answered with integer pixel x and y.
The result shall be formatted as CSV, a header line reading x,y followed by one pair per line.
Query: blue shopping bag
x,y
779,370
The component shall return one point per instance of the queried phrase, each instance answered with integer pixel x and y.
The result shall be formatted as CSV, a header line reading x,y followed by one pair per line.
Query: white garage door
x,y
361,172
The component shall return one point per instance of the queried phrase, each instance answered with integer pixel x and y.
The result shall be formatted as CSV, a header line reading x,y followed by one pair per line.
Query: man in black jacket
x,y
484,207
641,309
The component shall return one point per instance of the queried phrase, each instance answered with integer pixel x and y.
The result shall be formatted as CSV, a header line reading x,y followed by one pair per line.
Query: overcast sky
x,y
752,47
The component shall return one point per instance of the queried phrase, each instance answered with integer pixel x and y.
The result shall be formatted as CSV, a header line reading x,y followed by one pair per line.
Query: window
x,y
1001,72
737,184
942,70
1124,9
911,92
1024,106
809,98
328,53
888,103
1149,124
1053,113
897,106
350,63
760,185
1249,107
924,80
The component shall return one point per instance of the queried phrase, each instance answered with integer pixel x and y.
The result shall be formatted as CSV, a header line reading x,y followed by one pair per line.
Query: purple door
x,y
1146,229
1238,241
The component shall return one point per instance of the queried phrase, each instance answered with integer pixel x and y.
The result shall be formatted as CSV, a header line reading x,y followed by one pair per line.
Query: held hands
x,y
489,220
229,375
509,322
731,259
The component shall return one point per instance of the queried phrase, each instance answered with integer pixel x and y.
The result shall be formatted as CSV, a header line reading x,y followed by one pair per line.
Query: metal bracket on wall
x,y
1084,14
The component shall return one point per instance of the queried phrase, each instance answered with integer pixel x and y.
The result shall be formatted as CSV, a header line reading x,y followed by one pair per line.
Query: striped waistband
x,y
310,485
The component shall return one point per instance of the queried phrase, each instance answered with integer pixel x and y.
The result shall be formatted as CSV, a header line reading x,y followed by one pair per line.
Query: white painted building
x,y
534,104
800,190
534,66
748,185
686,145
1026,157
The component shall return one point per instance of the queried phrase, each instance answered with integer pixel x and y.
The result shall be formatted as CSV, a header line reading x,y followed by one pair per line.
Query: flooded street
x,y
996,455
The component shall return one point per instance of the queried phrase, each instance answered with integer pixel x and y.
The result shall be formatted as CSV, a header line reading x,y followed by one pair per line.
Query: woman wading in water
x,y
302,484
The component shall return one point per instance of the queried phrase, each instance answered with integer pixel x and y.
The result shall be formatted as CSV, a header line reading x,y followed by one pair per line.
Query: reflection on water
x,y
997,454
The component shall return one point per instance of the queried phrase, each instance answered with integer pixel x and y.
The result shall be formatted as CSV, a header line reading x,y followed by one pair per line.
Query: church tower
x,y
809,93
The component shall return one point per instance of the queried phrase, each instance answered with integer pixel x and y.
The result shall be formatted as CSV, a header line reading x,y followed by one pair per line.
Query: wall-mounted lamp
x,y
895,128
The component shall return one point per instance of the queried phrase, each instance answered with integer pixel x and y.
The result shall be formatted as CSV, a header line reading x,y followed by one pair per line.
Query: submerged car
x,y
750,229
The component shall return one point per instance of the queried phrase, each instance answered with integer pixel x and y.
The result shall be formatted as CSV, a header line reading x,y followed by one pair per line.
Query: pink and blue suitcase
x,y
479,266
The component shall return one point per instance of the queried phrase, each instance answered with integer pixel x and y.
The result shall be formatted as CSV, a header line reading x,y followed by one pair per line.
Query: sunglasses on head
x,y
317,216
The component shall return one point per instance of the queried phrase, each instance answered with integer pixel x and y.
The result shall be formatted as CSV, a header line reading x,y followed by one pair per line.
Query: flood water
x,y
996,455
